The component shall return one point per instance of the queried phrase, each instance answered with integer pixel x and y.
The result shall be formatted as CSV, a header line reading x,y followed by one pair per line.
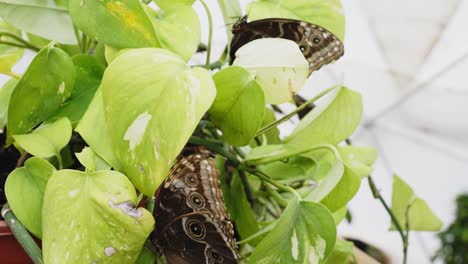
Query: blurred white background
x,y
409,59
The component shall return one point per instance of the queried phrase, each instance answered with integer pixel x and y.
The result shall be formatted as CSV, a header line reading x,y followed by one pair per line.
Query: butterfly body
x,y
192,224
318,45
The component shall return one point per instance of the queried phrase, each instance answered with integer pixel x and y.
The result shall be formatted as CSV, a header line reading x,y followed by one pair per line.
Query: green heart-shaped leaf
x,y
332,121
328,14
42,90
178,30
81,207
25,189
47,140
153,101
410,210
126,23
305,233
239,105
41,18
278,65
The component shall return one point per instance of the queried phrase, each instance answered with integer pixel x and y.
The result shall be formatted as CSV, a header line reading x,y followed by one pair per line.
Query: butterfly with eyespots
x,y
192,224
318,45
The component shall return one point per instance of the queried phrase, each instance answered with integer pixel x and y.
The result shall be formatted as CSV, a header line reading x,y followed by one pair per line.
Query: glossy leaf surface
x,y
333,120
126,23
410,210
239,105
303,234
39,17
42,90
80,207
153,101
328,14
278,65
25,189
47,140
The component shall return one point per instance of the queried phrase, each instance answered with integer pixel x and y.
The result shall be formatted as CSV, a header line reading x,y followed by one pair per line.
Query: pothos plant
x,y
110,100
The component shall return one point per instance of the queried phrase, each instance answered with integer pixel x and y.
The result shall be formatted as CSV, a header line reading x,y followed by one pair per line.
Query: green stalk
x,y
260,233
279,199
78,38
210,33
22,235
375,192
215,148
396,223
150,202
14,44
270,159
60,161
301,107
261,175
20,40
14,75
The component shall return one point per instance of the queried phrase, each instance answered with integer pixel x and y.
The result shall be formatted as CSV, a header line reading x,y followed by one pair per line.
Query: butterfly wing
x,y
190,194
197,238
318,45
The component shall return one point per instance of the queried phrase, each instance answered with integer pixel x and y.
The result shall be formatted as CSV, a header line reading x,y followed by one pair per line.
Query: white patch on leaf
x,y
313,258
137,129
294,245
156,148
320,246
110,251
61,89
193,84
73,193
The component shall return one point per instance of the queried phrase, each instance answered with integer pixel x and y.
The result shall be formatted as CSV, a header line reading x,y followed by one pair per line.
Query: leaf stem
x,y
150,203
259,233
14,75
403,234
25,43
215,148
261,175
405,241
375,192
297,110
22,235
9,43
60,161
84,43
279,199
210,33
77,35
286,155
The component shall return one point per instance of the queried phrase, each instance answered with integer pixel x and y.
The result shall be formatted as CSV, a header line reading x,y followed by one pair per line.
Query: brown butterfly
x,y
192,224
319,46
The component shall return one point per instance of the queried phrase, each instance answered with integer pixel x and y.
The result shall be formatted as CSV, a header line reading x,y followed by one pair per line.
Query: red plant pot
x,y
11,251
